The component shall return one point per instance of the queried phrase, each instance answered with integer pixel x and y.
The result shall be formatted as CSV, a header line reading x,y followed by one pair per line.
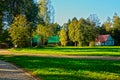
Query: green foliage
x,y
82,32
54,28
31,11
19,31
92,43
116,29
82,25
47,68
93,18
74,31
1,31
44,32
2,8
46,11
112,28
24,7
116,20
106,27
63,37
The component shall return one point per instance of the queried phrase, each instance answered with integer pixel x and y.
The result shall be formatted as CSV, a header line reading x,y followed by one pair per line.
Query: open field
x,y
79,51
47,68
63,68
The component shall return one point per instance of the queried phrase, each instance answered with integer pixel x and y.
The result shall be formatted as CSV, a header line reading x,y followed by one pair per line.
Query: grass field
x,y
47,68
92,51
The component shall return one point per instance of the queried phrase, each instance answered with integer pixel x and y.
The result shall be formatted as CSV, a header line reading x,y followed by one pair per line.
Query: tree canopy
x,y
19,31
63,37
21,19
46,11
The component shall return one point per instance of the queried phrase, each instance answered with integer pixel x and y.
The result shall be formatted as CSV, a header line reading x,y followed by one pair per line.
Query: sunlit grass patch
x,y
81,51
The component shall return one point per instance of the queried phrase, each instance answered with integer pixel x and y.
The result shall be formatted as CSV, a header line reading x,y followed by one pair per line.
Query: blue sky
x,y
67,9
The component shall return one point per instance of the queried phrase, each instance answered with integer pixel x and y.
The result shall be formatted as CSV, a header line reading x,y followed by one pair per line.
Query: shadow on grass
x,y
39,65
65,77
88,49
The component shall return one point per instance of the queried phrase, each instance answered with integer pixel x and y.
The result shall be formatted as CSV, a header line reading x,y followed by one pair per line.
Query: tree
x,y
107,25
54,28
46,11
19,31
91,32
65,26
94,19
2,8
116,22
116,29
63,37
44,32
74,31
21,7
87,32
31,12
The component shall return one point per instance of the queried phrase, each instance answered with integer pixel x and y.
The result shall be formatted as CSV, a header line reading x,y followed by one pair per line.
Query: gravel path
x,y
11,72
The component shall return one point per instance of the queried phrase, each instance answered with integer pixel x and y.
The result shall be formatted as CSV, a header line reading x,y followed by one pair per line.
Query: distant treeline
x,y
20,20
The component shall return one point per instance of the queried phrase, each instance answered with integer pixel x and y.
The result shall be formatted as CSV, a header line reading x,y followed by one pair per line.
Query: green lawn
x,y
48,68
94,51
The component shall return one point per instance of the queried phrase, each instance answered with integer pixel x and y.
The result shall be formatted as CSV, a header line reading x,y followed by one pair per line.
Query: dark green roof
x,y
54,39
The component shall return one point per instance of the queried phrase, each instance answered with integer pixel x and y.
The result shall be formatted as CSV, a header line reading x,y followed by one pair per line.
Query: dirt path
x,y
77,57
6,52
11,72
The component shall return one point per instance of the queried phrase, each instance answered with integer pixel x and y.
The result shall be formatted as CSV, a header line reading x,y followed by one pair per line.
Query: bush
x,y
92,44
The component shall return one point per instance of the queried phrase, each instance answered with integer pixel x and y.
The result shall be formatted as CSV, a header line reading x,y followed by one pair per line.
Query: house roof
x,y
102,38
54,39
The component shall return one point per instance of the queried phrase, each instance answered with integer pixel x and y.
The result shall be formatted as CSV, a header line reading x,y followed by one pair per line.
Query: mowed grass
x,y
81,51
47,68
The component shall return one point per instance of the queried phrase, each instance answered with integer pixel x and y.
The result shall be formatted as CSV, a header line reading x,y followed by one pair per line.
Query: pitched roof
x,y
102,38
54,39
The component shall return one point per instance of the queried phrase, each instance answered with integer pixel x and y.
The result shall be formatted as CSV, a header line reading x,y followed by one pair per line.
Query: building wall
x,y
110,41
